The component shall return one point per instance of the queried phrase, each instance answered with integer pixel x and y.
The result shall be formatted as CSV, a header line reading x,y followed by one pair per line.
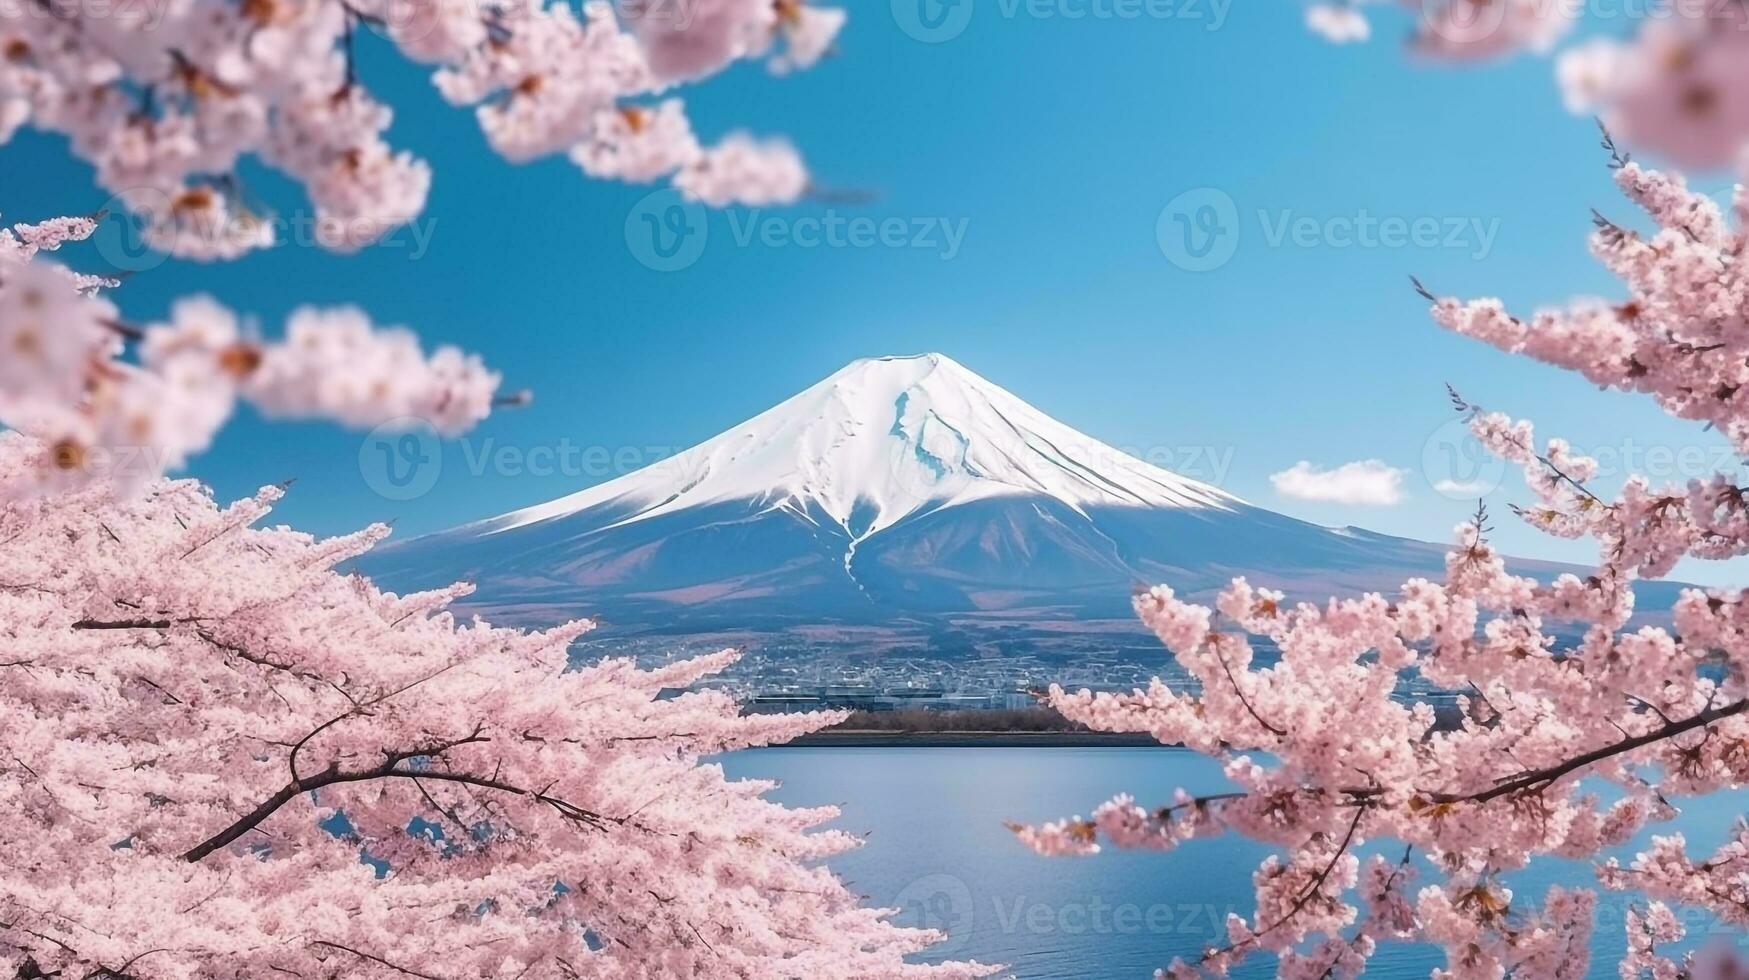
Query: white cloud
x,y
1367,483
1465,488
1338,23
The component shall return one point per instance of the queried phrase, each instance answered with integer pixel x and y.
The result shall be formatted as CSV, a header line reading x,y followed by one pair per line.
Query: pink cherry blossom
x,y
1556,689
744,170
99,414
225,758
1674,81
166,100
638,144
687,41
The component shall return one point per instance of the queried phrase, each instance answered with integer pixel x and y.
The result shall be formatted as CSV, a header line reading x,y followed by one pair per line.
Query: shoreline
x,y
872,738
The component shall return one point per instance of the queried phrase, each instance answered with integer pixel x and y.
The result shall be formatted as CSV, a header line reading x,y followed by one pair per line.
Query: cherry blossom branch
x,y
106,416
389,769
1471,411
257,624
374,959
128,624
1312,889
1323,875
1277,732
1496,801
1550,774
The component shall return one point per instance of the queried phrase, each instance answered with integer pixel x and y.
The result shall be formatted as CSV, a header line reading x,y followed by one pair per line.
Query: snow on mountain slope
x,y
898,489
881,440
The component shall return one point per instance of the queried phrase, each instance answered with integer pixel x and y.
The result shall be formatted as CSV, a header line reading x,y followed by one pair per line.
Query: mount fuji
x,y
903,500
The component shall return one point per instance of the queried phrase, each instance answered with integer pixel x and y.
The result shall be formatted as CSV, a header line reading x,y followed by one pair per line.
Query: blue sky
x,y
1054,143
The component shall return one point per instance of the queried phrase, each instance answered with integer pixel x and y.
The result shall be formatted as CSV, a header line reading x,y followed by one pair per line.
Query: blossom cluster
x,y
1677,83
99,415
1681,337
1576,727
224,758
166,100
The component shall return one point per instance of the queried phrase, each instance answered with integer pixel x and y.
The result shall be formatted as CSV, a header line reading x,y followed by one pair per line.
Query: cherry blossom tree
x,y
222,758
1563,748
98,415
166,99
219,757
1669,75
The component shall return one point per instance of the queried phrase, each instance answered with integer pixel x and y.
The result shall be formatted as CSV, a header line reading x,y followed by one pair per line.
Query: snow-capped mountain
x,y
898,490
882,441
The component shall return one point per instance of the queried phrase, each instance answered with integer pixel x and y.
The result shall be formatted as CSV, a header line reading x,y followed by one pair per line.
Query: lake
x,y
937,848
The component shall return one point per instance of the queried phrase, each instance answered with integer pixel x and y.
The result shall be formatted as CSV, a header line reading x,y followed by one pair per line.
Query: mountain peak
x,y
899,369
908,496
933,357
883,439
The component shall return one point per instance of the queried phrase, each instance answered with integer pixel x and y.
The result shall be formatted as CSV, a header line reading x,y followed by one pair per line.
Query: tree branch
x,y
1308,893
389,769
374,959
1539,777
1277,732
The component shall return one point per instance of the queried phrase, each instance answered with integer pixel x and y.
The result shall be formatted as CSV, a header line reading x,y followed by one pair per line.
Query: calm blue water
x,y
937,848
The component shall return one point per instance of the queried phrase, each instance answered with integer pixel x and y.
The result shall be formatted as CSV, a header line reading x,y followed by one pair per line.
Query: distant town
x,y
805,678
